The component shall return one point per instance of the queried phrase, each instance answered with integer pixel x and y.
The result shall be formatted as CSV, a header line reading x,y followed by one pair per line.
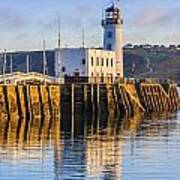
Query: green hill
x,y
36,62
155,63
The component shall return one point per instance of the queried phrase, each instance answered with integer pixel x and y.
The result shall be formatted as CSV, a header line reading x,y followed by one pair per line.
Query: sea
x,y
144,147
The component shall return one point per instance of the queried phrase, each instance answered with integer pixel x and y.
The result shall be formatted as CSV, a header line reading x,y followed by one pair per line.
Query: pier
x,y
119,99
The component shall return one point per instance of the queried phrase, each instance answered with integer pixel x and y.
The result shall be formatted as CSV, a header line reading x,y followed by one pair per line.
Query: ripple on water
x,y
133,149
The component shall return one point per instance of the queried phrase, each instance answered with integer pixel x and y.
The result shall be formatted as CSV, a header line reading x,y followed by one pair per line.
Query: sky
x,y
25,23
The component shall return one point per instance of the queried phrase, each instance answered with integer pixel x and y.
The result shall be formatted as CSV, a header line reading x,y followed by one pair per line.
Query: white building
x,y
95,63
113,35
86,62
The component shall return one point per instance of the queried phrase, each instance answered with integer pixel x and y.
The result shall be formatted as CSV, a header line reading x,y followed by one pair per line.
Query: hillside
x,y
161,63
153,63
36,62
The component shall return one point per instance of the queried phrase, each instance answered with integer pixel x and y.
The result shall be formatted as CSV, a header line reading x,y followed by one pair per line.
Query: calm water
x,y
101,148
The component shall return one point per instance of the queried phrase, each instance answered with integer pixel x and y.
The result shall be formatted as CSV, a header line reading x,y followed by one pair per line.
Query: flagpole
x,y
44,58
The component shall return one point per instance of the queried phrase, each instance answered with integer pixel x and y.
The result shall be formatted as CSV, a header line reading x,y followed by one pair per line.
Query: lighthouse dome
x,y
112,8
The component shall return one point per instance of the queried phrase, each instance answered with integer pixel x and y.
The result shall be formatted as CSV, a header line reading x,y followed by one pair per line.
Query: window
x,y
97,61
63,69
92,61
92,74
83,61
76,74
111,62
102,77
109,47
107,62
102,62
109,34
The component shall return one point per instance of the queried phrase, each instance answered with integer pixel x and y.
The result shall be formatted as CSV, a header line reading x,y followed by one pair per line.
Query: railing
x,y
146,80
16,77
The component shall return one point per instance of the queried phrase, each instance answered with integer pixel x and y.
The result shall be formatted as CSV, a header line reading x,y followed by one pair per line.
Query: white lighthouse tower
x,y
113,35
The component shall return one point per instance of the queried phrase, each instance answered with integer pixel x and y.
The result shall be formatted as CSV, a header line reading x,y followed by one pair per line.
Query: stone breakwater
x,y
119,100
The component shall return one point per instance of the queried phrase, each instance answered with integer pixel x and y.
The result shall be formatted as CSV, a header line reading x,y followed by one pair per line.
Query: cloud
x,y
157,16
21,36
48,24
11,19
148,16
81,15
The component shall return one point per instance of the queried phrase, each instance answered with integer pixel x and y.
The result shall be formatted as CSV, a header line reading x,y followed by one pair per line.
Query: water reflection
x,y
97,148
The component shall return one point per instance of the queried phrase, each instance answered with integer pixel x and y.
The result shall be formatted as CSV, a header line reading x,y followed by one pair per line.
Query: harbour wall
x,y
117,100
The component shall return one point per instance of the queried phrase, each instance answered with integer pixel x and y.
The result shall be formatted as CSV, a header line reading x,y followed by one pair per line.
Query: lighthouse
x,y
98,64
113,35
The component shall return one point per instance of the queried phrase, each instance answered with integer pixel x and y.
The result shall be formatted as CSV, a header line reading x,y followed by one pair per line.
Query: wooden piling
x,y
27,102
7,106
72,110
45,100
3,111
20,101
98,99
35,101
55,99
92,99
119,99
12,101
85,99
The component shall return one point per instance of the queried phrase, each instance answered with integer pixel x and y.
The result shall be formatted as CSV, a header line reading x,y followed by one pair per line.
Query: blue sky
x,y
25,23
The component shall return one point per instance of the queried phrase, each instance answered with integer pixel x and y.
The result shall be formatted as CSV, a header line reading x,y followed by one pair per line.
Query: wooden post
x,y
41,95
108,89
158,98
20,107
85,98
6,101
26,107
13,101
45,100
3,111
60,105
92,109
49,101
72,110
98,107
98,98
54,99
92,98
123,101
153,98
144,97
148,97
115,100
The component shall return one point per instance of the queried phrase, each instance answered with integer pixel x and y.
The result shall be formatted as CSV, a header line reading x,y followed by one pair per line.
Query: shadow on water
x,y
77,146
